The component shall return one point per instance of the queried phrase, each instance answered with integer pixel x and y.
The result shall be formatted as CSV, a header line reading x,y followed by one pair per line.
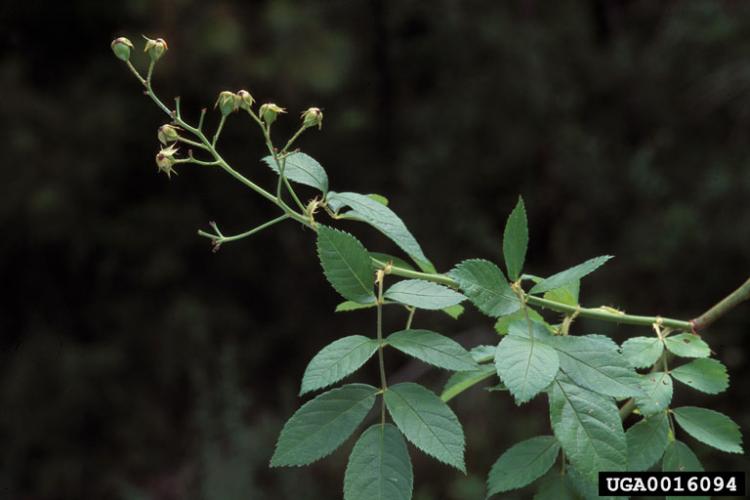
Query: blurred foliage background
x,y
136,364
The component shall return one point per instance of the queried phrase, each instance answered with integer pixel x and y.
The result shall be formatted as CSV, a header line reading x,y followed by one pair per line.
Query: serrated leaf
x,y
432,348
423,294
567,294
586,487
522,464
647,441
515,240
303,169
461,381
594,361
706,375
346,264
525,366
502,325
555,486
680,458
642,352
486,287
538,329
383,219
379,467
483,353
687,345
337,360
396,261
348,306
657,393
710,427
588,427
573,274
322,425
427,422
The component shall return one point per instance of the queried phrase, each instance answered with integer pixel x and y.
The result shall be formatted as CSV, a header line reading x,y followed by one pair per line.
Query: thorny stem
x,y
381,362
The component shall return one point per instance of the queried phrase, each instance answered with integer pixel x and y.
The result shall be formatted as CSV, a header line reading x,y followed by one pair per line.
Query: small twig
x,y
720,309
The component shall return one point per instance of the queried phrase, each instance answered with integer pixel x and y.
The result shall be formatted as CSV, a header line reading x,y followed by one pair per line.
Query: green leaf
x,y
539,328
383,219
486,287
522,464
687,345
593,361
337,360
322,424
647,441
642,352
427,422
525,366
555,486
379,467
588,427
567,294
396,261
303,169
461,381
515,240
680,458
502,325
423,294
706,375
657,393
432,348
586,487
346,264
573,274
483,353
348,306
379,198
454,312
710,427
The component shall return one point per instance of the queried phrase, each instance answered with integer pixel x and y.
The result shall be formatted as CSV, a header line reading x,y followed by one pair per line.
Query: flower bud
x,y
313,117
155,48
269,112
165,160
121,47
228,102
167,133
246,100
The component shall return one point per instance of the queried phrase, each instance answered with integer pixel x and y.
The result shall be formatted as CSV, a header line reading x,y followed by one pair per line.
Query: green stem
x,y
293,138
381,361
729,302
218,130
410,318
221,239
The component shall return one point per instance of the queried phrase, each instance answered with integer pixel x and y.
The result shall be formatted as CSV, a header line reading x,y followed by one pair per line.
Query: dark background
x,y
136,364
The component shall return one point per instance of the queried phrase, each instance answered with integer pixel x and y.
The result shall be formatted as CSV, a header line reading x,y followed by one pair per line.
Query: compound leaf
x,y
427,422
486,287
525,366
569,275
642,352
423,294
522,464
322,424
593,361
657,393
588,427
346,264
337,360
647,441
433,348
382,218
461,381
515,240
710,427
303,169
379,467
706,375
687,345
